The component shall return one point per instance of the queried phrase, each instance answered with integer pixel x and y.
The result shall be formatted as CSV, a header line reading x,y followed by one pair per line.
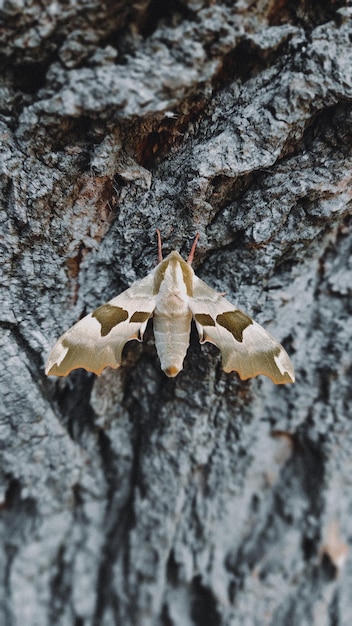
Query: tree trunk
x,y
132,499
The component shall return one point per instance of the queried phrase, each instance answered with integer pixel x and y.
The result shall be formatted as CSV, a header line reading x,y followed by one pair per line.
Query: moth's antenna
x,y
193,249
160,250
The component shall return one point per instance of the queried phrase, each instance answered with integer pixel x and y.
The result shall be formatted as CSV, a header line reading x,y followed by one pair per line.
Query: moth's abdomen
x,y
172,340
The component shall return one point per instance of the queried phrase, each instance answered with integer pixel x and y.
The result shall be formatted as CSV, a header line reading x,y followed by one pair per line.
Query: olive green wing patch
x,y
235,322
245,347
97,340
204,319
109,316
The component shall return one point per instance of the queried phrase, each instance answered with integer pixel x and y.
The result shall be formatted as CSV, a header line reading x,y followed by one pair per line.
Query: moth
x,y
173,295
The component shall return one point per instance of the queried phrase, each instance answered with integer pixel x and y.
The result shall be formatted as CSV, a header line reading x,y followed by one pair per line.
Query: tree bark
x,y
133,499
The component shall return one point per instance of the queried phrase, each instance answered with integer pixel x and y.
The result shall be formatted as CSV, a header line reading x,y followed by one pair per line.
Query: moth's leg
x,y
193,249
160,251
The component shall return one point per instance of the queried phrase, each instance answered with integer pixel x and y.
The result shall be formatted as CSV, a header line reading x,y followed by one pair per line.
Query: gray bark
x,y
133,499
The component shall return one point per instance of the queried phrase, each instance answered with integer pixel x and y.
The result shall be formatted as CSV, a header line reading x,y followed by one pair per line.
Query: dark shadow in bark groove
x,y
305,13
60,586
203,605
73,402
200,599
30,77
166,12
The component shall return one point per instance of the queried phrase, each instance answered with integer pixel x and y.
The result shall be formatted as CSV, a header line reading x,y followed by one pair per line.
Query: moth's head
x,y
173,256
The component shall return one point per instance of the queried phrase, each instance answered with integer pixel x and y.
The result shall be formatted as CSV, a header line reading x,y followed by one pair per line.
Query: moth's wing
x,y
97,340
245,346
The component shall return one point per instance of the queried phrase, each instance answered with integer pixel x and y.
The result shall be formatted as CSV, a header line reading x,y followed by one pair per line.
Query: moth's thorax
x,y
173,284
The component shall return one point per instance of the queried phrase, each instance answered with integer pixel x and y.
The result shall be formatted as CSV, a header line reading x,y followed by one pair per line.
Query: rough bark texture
x,y
133,499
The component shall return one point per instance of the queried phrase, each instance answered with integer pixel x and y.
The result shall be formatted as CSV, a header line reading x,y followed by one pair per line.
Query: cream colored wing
x,y
97,340
245,346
